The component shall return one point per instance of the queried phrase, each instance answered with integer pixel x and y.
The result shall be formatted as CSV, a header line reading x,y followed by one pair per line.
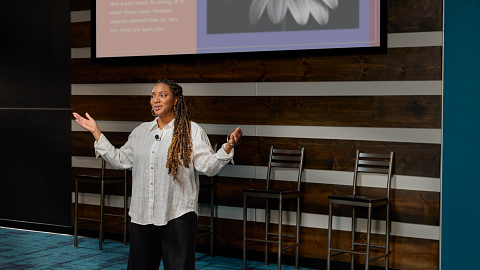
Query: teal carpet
x,y
21,249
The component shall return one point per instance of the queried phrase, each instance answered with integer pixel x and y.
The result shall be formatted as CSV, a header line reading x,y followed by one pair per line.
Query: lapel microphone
x,y
157,137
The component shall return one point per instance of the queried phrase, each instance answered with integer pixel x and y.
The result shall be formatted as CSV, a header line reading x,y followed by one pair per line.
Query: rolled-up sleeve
x,y
121,158
205,160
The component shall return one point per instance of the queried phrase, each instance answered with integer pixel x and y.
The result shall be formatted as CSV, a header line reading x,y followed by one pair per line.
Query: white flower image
x,y
300,9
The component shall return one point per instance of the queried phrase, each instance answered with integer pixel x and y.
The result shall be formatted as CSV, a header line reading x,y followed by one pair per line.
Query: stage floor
x,y
20,249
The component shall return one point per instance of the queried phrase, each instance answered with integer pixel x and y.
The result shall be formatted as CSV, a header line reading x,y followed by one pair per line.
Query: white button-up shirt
x,y
156,197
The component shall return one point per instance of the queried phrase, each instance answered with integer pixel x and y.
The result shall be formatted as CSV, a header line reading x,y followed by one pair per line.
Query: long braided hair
x,y
182,140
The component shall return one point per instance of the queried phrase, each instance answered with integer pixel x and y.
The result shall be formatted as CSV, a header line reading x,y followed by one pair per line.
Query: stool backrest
x,y
281,158
373,163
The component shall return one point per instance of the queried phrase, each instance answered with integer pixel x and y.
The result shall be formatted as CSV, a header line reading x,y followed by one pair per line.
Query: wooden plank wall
x,y
330,127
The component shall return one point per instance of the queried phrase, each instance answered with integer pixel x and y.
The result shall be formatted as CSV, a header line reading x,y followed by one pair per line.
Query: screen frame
x,y
381,49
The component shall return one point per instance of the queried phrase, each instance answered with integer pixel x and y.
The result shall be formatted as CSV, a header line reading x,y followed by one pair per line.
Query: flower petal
x,y
277,10
319,11
299,10
333,4
256,10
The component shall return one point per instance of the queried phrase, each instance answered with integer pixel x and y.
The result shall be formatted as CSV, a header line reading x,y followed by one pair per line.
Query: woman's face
x,y
163,101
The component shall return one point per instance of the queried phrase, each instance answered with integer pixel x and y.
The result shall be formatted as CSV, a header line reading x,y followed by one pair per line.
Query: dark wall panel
x,y
35,159
35,164
34,53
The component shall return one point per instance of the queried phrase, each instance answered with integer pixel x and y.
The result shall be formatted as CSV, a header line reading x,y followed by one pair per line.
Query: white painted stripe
x,y
397,40
189,89
380,88
413,135
310,176
307,219
416,135
80,16
418,39
127,126
80,52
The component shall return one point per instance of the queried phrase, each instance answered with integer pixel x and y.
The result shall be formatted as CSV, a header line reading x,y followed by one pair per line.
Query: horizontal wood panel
x,y
80,35
406,253
403,15
414,16
347,111
408,206
414,159
398,64
77,5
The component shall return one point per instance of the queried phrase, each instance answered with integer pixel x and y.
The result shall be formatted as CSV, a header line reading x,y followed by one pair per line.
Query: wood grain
x,y
408,206
414,159
78,5
346,111
398,64
406,253
414,16
80,35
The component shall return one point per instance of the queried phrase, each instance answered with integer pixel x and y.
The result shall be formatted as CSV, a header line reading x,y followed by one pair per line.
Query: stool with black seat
x,y
211,186
102,180
368,163
279,158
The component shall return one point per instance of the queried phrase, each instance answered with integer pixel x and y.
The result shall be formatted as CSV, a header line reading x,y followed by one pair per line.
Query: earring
x,y
153,113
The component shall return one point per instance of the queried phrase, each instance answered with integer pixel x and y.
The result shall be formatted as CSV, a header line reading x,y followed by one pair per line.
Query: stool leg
x,y
76,215
329,245
369,233
125,211
279,261
354,227
387,236
212,214
102,200
244,232
297,251
267,221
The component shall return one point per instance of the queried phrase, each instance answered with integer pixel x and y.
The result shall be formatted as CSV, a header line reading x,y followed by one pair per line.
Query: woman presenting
x,y
166,157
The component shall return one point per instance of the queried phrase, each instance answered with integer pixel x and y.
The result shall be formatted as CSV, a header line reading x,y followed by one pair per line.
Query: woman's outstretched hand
x,y
88,124
233,139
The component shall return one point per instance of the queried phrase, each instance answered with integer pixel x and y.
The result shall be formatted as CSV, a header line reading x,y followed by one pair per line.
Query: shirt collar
x,y
154,124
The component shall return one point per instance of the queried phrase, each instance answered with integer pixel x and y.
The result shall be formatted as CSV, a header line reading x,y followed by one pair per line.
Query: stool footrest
x,y
262,240
348,251
204,234
283,235
294,245
89,219
113,224
361,244
378,257
112,215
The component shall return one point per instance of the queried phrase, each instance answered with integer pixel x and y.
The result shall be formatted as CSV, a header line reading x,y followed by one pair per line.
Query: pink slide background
x,y
182,35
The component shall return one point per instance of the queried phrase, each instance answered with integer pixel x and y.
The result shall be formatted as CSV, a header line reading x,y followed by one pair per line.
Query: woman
x,y
166,156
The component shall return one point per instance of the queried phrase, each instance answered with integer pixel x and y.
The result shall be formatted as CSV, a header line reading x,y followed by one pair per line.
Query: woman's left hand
x,y
235,137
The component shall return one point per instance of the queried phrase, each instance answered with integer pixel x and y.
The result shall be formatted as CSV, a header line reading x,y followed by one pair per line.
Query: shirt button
x,y
153,152
151,168
151,184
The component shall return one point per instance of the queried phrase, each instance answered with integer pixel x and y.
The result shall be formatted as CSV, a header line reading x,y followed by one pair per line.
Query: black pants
x,y
174,243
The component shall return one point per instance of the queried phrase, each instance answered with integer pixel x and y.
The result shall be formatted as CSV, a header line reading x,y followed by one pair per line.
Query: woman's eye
x,y
163,95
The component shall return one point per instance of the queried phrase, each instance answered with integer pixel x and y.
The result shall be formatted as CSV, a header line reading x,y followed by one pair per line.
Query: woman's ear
x,y
176,100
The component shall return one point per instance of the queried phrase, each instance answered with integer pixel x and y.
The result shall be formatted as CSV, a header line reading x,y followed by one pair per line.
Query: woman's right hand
x,y
88,124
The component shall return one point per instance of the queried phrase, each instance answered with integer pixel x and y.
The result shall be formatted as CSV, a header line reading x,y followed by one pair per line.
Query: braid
x,y
181,141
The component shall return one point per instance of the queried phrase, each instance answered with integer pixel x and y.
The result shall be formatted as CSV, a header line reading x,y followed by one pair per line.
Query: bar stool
x,y
211,186
282,159
369,163
102,180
